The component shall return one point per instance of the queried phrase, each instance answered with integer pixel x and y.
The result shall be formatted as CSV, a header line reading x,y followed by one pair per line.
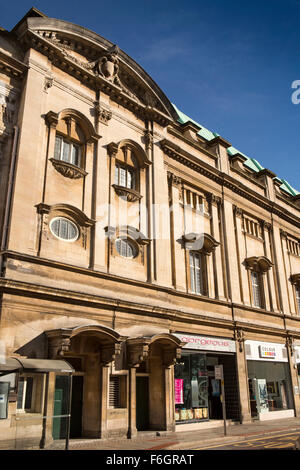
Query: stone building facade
x,y
137,246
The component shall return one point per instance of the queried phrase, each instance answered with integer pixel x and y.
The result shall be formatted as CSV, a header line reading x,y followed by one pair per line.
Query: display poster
x,y
262,396
195,393
178,391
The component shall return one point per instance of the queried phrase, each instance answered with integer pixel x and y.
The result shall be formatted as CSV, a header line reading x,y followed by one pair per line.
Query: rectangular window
x,y
125,177
298,298
197,273
67,151
115,385
25,394
257,289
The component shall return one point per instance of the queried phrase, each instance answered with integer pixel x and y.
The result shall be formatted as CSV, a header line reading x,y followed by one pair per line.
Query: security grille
x,y
114,392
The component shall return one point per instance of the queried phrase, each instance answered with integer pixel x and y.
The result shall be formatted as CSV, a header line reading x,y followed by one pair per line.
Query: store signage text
x,y
206,343
267,351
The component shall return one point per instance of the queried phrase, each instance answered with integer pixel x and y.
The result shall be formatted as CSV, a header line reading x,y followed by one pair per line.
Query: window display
x,y
191,388
269,387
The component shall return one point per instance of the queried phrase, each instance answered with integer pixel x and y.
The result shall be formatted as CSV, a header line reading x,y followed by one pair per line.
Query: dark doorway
x,y
76,407
142,403
61,397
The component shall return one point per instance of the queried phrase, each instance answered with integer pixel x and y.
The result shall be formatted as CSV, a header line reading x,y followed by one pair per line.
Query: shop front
x,y
196,383
270,388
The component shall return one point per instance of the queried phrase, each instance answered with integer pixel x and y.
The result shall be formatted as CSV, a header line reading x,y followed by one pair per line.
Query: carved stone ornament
x,y
128,194
239,337
68,169
108,65
295,279
200,242
258,263
127,231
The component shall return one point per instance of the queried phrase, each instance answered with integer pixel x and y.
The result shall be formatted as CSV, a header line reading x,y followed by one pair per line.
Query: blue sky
x,y
227,64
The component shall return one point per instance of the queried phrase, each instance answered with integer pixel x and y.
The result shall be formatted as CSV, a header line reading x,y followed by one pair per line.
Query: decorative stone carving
x,y
258,263
200,242
126,193
108,64
48,82
7,111
103,114
239,337
67,169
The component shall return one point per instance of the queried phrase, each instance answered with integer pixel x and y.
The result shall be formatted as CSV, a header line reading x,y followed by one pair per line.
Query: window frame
x,y
35,398
297,297
257,290
193,270
70,240
130,243
128,170
72,145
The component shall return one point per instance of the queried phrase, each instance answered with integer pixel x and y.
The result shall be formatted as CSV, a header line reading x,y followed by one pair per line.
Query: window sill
x,y
130,194
68,169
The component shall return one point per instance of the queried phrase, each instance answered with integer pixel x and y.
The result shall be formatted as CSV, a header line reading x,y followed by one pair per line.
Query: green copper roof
x,y
251,163
205,133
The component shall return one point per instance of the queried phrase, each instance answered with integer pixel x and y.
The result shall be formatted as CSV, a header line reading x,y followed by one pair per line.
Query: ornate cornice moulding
x,y
67,169
129,194
99,65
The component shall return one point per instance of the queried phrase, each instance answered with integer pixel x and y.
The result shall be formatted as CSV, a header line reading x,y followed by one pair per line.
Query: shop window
x,y
269,386
198,275
191,389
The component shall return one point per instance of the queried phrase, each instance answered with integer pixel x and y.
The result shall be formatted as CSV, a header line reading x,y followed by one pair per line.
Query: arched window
x,y
70,134
126,248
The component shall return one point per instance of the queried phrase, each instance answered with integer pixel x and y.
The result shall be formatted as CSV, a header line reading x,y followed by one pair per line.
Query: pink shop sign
x,y
178,391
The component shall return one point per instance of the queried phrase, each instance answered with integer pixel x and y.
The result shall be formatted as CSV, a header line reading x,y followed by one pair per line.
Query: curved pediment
x,y
98,63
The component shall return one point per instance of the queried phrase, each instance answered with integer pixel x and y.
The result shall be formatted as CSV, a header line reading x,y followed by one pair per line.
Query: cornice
x,y
11,66
62,295
88,74
225,180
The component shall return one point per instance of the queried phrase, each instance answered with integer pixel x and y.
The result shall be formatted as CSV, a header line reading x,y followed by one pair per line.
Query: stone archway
x,y
97,346
160,352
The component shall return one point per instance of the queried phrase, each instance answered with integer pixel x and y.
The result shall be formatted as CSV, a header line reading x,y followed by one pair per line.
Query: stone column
x,y
104,400
293,373
242,376
132,431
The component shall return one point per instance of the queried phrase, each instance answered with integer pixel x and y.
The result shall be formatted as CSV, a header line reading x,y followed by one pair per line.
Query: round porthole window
x,y
125,248
64,229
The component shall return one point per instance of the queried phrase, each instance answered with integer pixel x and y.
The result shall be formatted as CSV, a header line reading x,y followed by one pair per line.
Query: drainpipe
x,y
7,213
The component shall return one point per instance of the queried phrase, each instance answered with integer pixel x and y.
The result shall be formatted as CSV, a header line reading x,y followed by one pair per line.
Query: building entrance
x,y
142,403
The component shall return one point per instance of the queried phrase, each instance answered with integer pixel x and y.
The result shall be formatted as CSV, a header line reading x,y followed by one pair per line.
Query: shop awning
x,y
13,364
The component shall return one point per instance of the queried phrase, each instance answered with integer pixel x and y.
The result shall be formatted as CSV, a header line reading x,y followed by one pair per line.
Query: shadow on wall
x,y
36,348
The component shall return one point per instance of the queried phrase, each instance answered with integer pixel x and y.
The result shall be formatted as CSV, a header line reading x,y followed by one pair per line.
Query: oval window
x,y
125,248
64,229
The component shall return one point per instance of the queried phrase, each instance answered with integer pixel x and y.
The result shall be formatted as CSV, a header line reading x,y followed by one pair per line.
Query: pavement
x,y
186,440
